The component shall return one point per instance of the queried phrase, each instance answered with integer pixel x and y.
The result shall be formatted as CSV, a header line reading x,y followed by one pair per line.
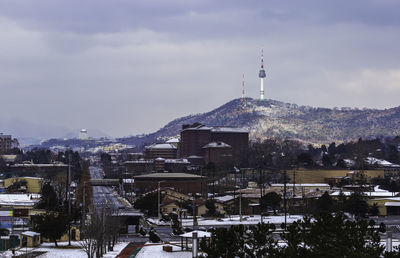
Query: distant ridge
x,y
271,118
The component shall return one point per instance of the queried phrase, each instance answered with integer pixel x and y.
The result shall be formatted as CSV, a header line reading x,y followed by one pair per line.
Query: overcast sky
x,y
127,67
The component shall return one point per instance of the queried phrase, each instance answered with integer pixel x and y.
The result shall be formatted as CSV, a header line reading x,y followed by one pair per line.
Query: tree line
x,y
324,235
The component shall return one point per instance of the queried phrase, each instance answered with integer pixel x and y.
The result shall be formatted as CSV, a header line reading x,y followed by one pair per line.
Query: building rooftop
x,y
30,233
226,129
26,165
173,140
161,146
169,175
300,185
18,199
217,129
217,145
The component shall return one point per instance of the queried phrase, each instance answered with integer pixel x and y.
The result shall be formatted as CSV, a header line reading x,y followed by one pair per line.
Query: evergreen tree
x,y
326,160
48,200
356,205
324,204
211,208
271,199
333,236
148,203
52,225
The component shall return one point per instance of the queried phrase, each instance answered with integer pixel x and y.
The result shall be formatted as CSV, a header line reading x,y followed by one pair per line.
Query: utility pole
x,y
159,197
261,195
234,190
69,198
284,194
240,204
84,203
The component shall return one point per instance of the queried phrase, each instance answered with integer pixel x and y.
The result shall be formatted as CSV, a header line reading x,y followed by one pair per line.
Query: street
x,y
103,196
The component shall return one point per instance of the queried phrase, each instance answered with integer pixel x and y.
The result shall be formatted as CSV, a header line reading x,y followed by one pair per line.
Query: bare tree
x,y
91,232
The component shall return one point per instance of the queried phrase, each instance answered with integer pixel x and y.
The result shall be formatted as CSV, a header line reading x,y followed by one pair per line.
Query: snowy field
x,y
63,251
155,251
234,220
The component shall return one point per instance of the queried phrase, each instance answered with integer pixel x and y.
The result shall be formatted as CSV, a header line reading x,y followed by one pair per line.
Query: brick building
x,y
7,143
196,140
163,150
181,182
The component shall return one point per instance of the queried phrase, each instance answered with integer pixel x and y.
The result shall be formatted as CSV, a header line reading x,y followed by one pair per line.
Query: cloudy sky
x,y
127,66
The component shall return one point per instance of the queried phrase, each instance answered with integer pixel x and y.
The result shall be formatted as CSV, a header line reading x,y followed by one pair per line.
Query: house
x,y
29,239
174,195
169,206
202,209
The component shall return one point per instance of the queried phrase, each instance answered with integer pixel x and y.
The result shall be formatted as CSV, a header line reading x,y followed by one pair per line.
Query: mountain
x,y
271,118
29,133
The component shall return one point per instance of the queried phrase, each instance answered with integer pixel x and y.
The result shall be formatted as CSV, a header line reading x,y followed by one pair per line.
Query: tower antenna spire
x,y
243,96
262,75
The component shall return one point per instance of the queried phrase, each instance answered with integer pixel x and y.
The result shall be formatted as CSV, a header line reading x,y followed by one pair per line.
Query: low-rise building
x,y
29,239
181,182
161,150
32,184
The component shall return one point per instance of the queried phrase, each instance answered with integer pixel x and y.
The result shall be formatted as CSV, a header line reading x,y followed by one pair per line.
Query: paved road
x,y
103,196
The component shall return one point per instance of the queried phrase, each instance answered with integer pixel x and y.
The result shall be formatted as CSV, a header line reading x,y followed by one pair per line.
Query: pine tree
x,y
271,199
52,225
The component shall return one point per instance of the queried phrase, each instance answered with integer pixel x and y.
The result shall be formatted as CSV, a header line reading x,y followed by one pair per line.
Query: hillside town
x,y
199,129
206,177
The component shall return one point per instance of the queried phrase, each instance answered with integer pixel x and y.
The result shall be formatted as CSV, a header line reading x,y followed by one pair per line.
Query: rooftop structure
x,y
83,135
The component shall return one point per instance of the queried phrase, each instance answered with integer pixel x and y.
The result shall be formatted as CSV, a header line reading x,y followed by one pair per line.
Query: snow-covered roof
x,y
381,162
30,233
168,175
200,234
368,194
225,198
38,165
397,199
173,140
17,199
199,127
184,161
195,157
26,177
162,146
300,185
397,204
217,145
226,129
138,161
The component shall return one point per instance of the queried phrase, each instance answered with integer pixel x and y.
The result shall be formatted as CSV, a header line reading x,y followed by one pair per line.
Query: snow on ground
x,y
117,249
63,251
155,251
234,220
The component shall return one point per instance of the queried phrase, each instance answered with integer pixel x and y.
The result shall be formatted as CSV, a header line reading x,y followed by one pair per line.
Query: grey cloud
x,y
128,67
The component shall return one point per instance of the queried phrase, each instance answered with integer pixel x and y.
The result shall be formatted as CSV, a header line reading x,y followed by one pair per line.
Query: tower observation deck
x,y
262,75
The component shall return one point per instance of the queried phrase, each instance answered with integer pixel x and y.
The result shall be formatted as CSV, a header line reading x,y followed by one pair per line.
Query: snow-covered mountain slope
x,y
270,118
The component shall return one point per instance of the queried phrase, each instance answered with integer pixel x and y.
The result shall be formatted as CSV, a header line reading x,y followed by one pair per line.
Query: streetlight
x,y
159,197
